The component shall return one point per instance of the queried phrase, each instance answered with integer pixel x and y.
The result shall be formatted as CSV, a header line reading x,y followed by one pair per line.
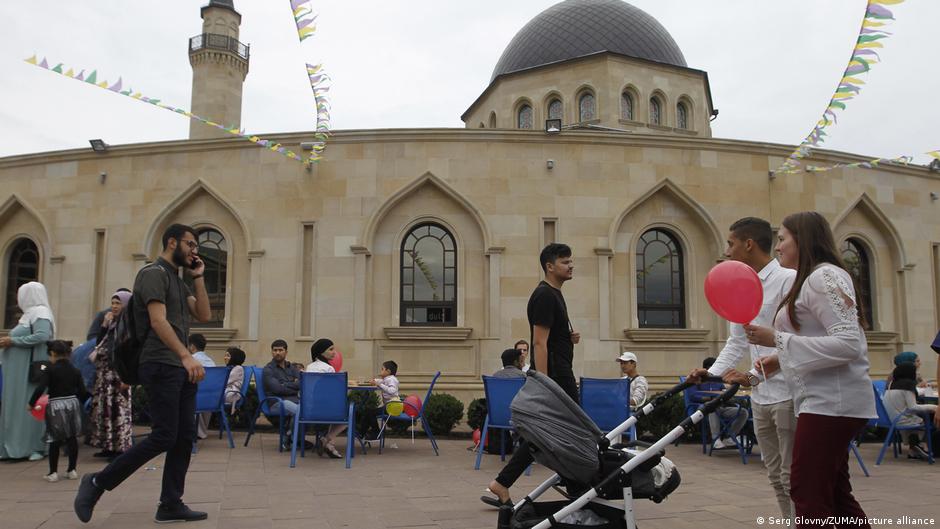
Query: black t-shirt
x,y
160,282
547,308
62,379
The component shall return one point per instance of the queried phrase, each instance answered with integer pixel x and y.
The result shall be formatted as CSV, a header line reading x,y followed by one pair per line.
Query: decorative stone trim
x,y
663,128
57,259
881,337
215,334
666,335
428,333
688,132
631,122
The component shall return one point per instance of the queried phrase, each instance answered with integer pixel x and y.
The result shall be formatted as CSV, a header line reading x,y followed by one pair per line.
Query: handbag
x,y
36,368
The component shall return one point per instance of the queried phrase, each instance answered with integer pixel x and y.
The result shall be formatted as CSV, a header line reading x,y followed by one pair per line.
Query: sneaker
x,y
36,456
917,452
71,474
51,478
178,512
332,452
88,495
723,443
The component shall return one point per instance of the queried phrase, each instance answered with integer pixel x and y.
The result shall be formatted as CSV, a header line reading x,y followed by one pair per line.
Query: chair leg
x,y
884,447
251,427
486,428
928,434
854,447
350,435
502,445
293,444
427,430
223,420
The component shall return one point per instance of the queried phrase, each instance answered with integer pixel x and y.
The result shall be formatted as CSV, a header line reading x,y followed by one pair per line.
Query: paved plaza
x,y
254,488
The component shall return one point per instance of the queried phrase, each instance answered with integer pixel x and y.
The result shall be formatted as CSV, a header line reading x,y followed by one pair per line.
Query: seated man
x,y
197,348
639,387
728,413
512,365
282,379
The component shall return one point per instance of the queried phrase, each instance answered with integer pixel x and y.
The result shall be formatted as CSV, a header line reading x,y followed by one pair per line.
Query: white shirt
x,y
389,387
319,366
825,363
776,281
204,359
639,388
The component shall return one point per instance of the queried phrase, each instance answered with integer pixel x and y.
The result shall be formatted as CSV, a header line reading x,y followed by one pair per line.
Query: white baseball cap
x,y
627,356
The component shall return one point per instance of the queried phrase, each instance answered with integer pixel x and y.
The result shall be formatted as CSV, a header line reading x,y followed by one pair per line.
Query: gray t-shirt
x,y
160,282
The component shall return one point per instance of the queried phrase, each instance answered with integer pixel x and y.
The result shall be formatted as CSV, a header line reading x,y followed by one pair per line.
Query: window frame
x,y
581,95
657,103
678,309
10,311
863,282
221,297
404,305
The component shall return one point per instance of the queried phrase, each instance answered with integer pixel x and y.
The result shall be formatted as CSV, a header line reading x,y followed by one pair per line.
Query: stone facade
x,y
316,253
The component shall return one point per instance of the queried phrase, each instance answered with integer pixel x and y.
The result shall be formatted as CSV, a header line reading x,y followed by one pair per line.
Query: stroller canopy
x,y
563,437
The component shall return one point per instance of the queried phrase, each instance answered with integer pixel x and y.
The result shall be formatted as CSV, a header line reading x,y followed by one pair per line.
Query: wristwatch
x,y
752,379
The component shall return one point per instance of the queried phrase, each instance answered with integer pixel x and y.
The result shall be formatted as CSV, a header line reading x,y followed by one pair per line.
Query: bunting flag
x,y
304,19
863,58
118,88
872,164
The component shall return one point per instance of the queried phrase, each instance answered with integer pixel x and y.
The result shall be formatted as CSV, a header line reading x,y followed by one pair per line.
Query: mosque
x,y
421,245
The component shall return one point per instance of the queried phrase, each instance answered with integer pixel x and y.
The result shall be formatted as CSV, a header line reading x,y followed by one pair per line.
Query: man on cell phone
x,y
163,307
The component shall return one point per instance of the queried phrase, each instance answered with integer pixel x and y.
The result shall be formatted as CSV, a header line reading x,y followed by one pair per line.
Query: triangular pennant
x,y
92,77
44,64
31,60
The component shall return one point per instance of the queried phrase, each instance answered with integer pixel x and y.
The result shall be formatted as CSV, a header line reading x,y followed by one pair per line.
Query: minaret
x,y
220,64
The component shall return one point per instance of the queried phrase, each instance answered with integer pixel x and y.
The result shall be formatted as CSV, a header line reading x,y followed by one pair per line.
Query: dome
x,y
575,28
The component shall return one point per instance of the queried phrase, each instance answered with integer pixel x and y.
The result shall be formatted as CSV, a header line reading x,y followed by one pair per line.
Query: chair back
x,y
880,386
606,401
246,380
499,394
257,373
883,420
427,395
323,397
210,393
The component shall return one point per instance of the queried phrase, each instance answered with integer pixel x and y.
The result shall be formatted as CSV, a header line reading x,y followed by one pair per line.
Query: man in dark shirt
x,y
512,365
162,307
282,379
553,341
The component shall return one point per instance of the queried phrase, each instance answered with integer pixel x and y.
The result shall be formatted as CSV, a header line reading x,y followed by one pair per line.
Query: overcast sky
x,y
772,67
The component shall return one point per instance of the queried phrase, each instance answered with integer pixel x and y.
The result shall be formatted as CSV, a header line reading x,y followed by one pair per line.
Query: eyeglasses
x,y
191,243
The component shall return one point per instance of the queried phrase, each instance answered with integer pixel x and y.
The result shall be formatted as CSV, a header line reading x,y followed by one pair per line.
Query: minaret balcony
x,y
213,41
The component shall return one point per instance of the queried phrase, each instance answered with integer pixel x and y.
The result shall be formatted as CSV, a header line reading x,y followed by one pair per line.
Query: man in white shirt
x,y
523,347
197,346
639,387
750,241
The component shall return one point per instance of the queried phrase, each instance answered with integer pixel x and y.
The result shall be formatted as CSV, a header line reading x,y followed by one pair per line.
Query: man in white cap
x,y
638,384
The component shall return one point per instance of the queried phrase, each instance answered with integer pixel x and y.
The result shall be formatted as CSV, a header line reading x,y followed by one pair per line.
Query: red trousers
x,y
819,475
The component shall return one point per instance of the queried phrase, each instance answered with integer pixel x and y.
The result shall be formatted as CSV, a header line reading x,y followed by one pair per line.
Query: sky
x,y
772,66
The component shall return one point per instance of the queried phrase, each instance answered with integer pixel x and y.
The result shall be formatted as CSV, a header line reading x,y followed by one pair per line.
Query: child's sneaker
x,y
71,474
51,478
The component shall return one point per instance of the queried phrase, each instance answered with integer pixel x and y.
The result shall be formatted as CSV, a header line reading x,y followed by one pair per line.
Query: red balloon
x,y
734,291
336,361
41,403
412,405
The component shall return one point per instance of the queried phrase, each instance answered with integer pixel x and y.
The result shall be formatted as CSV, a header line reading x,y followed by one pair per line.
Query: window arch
x,y
682,115
492,120
524,117
213,250
428,276
555,109
659,280
22,267
587,107
656,111
627,105
858,264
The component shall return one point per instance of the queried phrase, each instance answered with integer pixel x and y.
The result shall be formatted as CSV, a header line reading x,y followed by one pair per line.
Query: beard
x,y
179,258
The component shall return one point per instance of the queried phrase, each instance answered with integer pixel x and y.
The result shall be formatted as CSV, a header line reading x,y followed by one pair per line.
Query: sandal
x,y
490,500
332,452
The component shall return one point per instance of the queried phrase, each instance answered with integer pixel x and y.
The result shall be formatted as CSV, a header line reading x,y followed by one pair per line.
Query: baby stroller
x,y
600,479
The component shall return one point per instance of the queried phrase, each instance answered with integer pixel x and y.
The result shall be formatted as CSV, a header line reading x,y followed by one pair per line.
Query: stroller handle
x,y
726,395
659,398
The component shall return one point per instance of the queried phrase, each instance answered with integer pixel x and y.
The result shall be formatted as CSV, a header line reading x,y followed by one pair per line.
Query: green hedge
x,y
443,411
476,413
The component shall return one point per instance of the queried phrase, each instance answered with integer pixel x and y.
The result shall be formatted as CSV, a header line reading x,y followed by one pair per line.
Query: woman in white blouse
x,y
823,355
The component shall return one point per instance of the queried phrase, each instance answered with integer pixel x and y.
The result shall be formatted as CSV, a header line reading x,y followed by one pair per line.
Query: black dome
x,y
575,28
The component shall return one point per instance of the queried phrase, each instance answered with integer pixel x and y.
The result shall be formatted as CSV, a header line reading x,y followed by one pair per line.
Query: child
x,y
64,410
901,396
388,383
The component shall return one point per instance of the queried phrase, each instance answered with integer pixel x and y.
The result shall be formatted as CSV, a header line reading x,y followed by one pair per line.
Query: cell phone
x,y
195,263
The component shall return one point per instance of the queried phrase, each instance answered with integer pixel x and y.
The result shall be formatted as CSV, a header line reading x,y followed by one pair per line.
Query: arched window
x,y
626,106
682,116
429,277
524,119
492,120
660,297
656,112
555,109
858,265
213,250
587,109
22,267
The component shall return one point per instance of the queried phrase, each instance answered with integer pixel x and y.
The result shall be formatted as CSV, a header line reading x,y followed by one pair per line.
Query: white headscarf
x,y
34,302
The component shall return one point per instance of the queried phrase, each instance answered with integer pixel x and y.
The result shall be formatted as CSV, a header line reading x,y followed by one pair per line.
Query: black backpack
x,y
126,345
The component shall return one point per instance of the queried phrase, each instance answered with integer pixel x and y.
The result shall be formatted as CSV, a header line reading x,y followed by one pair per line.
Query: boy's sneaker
x,y
723,443
71,474
178,512
51,478
916,452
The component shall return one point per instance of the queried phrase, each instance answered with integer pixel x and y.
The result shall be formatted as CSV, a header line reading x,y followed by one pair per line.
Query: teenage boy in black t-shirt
x,y
553,341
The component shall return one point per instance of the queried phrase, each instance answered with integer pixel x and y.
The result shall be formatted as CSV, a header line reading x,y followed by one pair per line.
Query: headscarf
x,y
34,302
124,297
906,356
319,347
905,377
236,356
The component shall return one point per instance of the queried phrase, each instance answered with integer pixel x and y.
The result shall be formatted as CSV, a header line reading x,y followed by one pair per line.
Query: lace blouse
x,y
825,363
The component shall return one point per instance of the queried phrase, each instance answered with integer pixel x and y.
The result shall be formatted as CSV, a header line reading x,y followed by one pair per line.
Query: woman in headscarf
x,y
20,435
111,402
234,358
321,352
901,396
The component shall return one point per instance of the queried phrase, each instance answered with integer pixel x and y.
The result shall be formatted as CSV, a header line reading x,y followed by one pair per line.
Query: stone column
x,y
494,258
254,293
360,295
604,255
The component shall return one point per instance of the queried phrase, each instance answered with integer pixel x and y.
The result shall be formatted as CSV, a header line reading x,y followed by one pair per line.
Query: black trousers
x,y
522,458
172,400
71,445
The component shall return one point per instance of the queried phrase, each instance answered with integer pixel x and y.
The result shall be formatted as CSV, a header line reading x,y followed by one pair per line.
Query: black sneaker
x,y
178,512
86,498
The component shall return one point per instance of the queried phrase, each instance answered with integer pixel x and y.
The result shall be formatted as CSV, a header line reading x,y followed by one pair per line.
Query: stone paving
x,y
409,487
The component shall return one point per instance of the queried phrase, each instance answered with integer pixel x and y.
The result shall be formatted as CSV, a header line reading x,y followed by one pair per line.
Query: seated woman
x,y
902,395
321,352
234,357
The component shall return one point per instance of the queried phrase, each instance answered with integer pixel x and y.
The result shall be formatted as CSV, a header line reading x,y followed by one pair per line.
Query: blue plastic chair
x,y
607,402
894,428
264,406
246,382
693,399
323,401
499,394
210,398
419,418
